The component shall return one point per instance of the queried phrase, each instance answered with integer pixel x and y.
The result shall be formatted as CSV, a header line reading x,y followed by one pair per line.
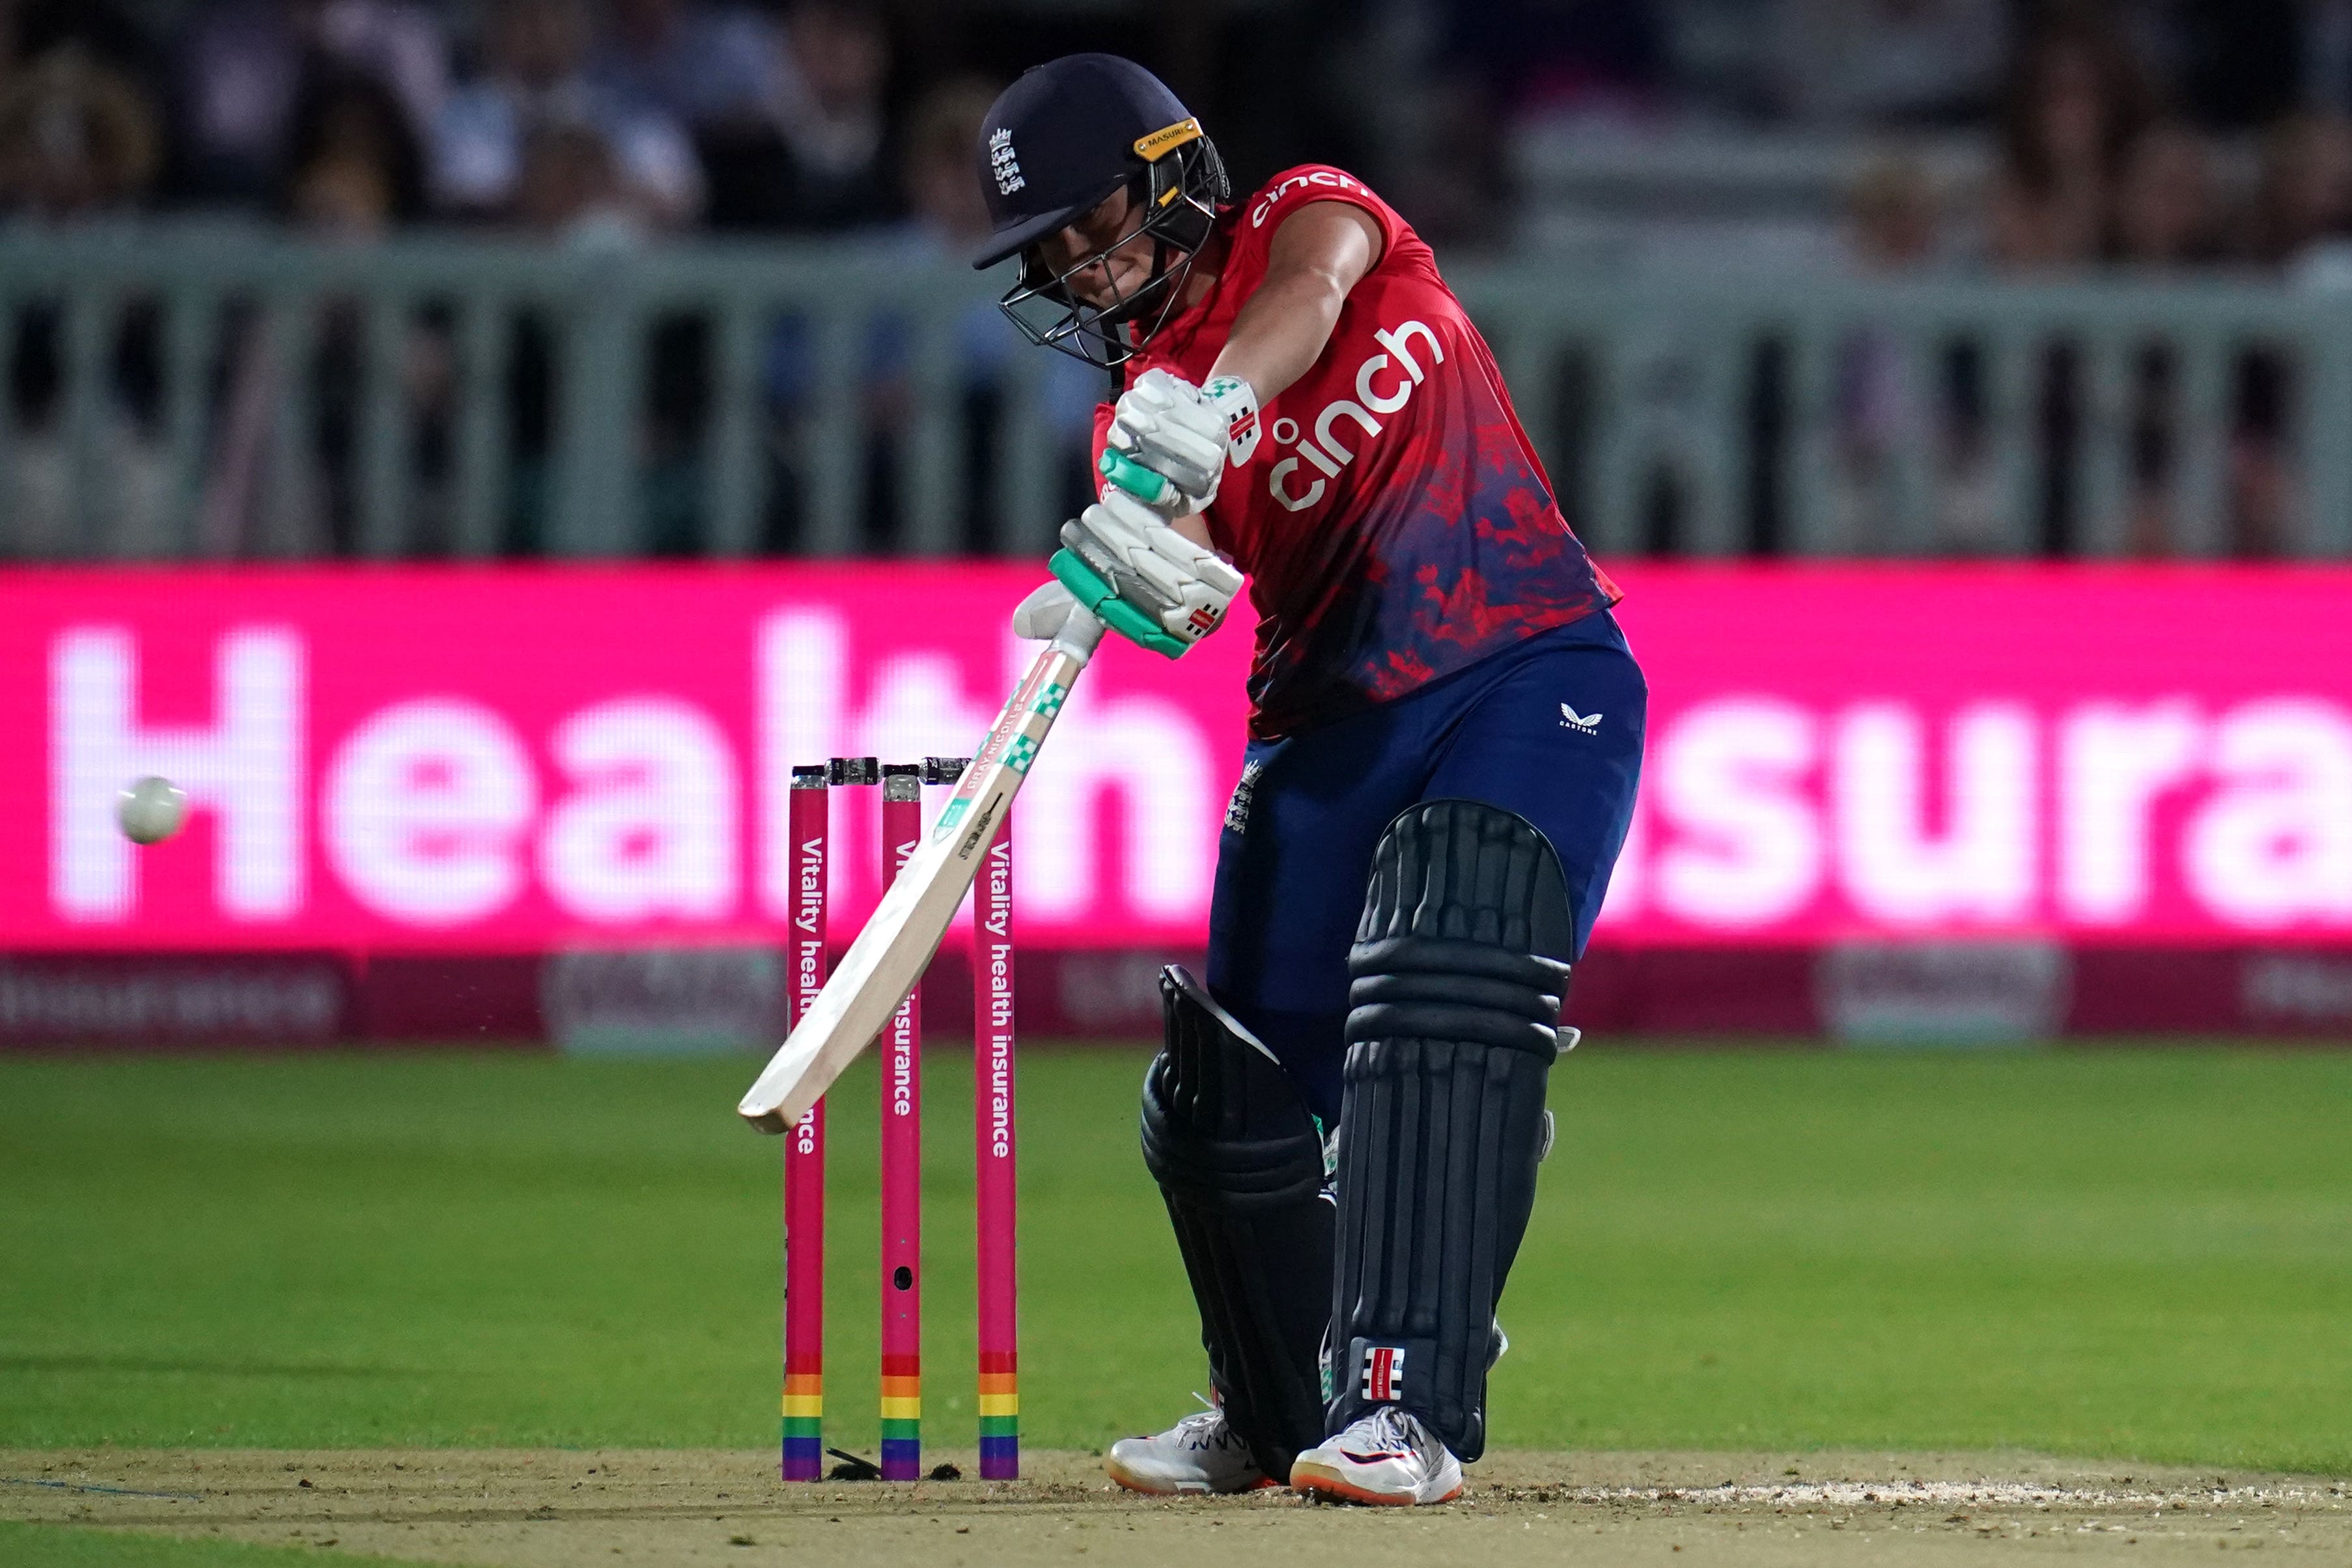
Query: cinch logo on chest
x,y
1322,447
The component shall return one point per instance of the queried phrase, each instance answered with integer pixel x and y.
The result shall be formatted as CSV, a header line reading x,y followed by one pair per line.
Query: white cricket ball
x,y
150,810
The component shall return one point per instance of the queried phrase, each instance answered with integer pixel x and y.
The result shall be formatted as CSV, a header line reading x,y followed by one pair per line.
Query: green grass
x,y
2134,1255
66,1546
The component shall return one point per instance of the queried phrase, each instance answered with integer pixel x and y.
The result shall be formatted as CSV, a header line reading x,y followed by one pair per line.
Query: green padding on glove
x,y
1116,613
1132,476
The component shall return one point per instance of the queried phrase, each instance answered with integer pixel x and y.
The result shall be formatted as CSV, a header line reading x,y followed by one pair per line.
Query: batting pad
x,y
1240,1163
1456,979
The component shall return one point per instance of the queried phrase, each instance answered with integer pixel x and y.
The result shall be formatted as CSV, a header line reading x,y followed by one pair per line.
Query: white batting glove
x,y
1170,441
1145,581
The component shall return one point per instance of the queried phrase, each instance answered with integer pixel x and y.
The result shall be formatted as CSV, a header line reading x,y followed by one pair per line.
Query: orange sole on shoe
x,y
1132,1483
1316,1481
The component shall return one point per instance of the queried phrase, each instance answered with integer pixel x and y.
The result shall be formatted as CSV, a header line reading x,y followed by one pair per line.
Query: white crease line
x,y
1998,1494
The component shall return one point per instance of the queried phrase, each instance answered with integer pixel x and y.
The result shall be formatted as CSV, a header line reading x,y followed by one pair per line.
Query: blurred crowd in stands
x,y
2156,136
2006,138
2156,131
353,116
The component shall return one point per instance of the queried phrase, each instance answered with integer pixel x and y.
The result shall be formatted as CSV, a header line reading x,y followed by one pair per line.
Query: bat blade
x,y
890,954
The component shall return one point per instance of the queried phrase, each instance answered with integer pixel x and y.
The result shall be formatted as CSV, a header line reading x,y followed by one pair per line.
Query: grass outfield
x,y
2126,1255
52,1546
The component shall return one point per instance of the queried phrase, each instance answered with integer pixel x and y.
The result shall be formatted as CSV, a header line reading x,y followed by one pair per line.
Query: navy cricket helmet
x,y
1058,143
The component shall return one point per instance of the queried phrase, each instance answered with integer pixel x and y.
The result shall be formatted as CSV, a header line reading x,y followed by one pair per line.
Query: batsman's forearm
x,y
1280,332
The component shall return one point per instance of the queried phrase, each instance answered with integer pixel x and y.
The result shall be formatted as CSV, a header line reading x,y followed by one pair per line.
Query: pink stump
x,y
804,1404
902,1169
996,1197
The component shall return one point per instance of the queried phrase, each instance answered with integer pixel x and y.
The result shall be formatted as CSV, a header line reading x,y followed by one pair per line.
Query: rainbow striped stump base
x,y
902,1419
804,1427
999,1418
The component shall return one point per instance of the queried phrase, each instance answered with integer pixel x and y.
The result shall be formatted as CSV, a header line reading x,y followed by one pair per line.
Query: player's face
x,y
1122,265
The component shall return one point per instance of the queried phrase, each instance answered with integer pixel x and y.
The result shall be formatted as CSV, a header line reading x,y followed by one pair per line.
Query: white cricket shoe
x,y
1387,1456
1199,1454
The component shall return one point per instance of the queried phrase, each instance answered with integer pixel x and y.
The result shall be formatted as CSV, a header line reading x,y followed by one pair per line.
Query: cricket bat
x,y
891,954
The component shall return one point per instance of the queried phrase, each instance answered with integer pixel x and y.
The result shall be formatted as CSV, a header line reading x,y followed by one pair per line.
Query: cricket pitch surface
x,y
541,1509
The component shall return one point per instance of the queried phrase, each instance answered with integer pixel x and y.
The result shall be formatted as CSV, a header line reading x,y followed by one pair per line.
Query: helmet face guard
x,y
1179,186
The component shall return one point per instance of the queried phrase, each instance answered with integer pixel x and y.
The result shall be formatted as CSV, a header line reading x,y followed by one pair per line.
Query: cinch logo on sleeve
x,y
1383,1373
1327,177
1325,447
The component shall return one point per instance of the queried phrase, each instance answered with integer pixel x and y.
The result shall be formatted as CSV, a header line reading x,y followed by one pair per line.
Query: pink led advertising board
x,y
525,759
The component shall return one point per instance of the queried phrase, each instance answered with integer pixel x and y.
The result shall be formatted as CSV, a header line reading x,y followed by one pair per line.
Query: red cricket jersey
x,y
1395,523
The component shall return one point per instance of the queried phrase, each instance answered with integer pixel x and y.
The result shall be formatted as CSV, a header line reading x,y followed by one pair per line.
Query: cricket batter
x,y
1445,741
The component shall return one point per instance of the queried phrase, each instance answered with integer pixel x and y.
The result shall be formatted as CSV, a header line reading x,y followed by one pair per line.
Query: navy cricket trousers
x,y
1550,728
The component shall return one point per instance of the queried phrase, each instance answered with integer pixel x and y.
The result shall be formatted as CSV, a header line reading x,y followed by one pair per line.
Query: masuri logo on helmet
x,y
1149,148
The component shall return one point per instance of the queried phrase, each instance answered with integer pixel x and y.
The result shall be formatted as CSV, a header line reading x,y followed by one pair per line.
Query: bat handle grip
x,y
1080,634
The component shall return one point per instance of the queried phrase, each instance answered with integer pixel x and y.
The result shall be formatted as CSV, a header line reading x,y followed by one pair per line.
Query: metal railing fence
x,y
179,391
